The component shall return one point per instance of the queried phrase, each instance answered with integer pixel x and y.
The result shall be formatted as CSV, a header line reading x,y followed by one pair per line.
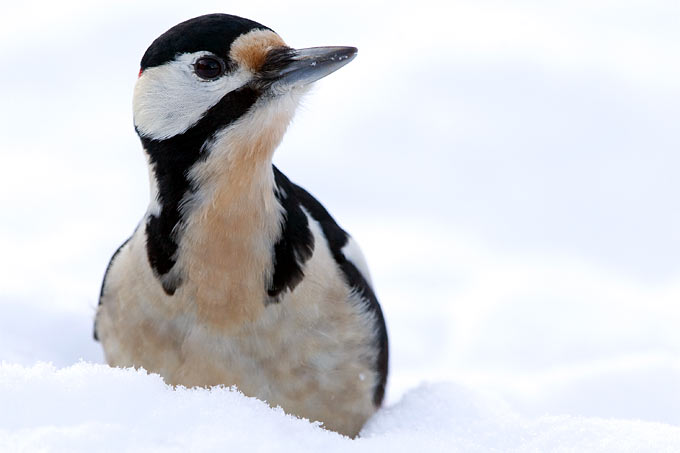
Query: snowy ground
x,y
95,408
509,168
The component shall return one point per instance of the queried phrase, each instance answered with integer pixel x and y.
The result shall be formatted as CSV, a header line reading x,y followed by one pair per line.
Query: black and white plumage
x,y
235,275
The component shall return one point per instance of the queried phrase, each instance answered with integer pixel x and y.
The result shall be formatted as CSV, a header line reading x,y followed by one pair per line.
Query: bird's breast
x,y
225,255
311,353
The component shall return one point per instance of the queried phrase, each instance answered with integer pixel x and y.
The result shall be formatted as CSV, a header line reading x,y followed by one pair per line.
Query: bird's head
x,y
208,72
214,97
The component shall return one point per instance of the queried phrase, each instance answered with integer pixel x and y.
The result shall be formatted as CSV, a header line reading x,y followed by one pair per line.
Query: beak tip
x,y
350,52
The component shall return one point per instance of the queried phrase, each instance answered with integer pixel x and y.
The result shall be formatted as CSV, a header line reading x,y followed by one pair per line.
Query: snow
x,y
508,169
88,407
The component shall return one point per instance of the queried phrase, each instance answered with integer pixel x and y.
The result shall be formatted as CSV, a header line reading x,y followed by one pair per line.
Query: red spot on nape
x,y
140,73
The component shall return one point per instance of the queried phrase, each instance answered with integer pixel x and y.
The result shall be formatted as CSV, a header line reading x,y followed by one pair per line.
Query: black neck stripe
x,y
171,160
296,243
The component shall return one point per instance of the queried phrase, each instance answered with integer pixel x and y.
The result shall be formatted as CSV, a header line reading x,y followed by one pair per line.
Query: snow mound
x,y
88,407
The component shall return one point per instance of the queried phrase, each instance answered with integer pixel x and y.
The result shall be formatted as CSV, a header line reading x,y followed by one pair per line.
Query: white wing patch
x,y
353,253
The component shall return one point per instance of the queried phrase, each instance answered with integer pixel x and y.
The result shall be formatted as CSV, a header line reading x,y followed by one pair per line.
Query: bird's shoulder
x,y
297,204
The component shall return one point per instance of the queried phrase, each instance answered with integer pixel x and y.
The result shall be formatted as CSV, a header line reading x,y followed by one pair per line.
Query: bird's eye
x,y
209,68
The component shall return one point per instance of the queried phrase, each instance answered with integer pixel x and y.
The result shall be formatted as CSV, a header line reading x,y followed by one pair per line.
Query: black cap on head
x,y
212,32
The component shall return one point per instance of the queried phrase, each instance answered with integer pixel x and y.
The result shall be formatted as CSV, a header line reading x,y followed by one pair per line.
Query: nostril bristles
x,y
276,61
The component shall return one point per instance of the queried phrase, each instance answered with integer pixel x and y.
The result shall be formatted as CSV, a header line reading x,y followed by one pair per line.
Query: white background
x,y
509,168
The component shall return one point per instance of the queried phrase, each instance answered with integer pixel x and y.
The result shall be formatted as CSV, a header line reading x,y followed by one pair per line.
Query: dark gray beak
x,y
286,68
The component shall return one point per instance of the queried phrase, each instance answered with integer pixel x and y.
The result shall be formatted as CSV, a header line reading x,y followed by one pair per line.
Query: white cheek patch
x,y
170,98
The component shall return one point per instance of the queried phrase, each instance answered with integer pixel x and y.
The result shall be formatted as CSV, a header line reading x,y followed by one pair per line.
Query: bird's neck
x,y
218,219
226,243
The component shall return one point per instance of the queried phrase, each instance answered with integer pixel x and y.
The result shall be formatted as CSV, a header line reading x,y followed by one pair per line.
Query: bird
x,y
236,276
